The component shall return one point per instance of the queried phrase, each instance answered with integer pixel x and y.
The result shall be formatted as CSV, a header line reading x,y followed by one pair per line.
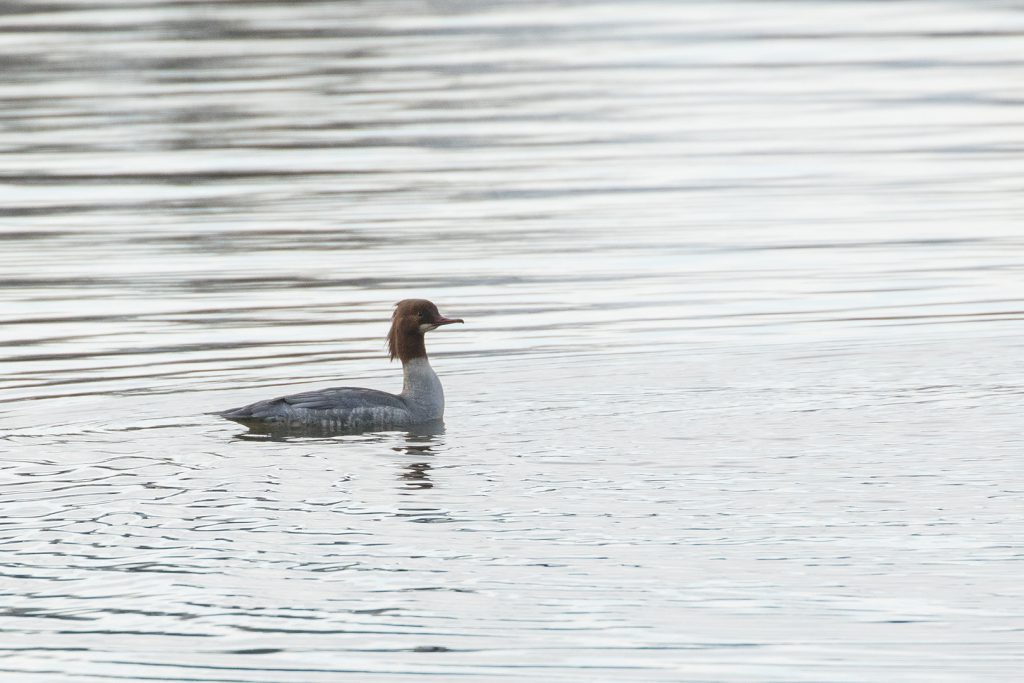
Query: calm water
x,y
738,398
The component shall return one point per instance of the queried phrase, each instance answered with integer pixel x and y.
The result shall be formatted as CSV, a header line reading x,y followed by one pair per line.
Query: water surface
x,y
738,397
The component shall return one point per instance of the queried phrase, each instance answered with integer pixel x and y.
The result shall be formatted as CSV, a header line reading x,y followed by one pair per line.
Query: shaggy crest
x,y
411,320
405,340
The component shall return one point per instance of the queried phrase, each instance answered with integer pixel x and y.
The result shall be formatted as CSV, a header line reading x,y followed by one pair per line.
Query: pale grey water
x,y
738,398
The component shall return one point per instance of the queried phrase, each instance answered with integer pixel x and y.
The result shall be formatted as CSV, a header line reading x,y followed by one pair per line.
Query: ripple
x,y
739,375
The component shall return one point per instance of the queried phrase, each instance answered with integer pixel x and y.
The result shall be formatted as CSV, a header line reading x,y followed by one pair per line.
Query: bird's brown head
x,y
412,319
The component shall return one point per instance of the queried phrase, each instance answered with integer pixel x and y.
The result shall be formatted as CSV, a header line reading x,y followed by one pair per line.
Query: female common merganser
x,y
355,409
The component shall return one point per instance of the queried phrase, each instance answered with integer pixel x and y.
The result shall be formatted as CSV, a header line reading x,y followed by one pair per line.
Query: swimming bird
x,y
353,409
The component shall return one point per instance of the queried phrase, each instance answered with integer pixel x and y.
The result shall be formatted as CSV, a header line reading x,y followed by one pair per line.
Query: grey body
x,y
353,408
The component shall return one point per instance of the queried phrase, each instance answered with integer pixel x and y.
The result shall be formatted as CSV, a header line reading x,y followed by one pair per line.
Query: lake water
x,y
738,397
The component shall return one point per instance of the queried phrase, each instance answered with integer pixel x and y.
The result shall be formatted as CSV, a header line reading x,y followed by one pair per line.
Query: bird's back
x,y
342,408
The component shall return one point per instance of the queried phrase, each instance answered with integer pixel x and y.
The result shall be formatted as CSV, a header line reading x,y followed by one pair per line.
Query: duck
x,y
355,409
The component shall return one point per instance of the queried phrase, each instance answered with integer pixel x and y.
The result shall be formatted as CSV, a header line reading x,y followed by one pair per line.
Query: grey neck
x,y
422,390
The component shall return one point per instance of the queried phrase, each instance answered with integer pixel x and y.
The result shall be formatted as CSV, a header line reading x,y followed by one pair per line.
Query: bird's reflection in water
x,y
419,440
415,476
416,434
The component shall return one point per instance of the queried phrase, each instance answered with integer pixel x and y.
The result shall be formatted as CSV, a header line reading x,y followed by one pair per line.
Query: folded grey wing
x,y
341,399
